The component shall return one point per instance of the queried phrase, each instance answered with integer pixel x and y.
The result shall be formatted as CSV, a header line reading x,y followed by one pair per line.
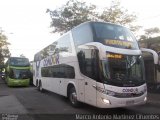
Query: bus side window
x,y
88,63
81,59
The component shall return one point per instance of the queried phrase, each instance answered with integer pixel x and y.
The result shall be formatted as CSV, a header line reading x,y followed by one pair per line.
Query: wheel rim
x,y
73,97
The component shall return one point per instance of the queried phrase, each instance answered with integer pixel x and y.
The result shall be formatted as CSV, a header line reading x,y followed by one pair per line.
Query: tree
x,y
70,15
4,51
151,43
74,13
150,33
149,39
118,15
22,56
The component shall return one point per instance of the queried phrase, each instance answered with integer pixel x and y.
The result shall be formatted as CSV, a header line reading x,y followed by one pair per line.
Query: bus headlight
x,y
145,89
105,101
145,99
110,93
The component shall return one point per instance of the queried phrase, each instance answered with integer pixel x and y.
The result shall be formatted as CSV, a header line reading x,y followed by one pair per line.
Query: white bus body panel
x,y
90,91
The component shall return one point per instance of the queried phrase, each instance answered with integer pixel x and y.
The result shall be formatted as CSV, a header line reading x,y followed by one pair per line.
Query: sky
x,y
27,25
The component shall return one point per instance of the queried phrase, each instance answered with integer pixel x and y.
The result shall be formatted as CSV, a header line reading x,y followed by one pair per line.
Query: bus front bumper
x,y
113,102
18,82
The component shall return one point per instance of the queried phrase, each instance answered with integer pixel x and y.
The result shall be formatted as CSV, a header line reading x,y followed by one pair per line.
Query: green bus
x,y
17,71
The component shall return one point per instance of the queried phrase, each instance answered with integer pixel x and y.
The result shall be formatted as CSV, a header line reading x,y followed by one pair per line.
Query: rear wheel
x,y
40,88
73,98
37,83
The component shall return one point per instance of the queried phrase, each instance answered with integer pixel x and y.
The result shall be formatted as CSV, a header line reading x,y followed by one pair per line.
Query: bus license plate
x,y
130,102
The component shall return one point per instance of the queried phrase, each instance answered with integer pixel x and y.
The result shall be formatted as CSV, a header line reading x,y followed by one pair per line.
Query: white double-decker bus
x,y
95,63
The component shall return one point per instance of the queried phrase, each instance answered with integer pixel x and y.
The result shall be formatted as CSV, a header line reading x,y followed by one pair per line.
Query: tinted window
x,y
15,61
88,62
82,34
114,35
64,44
58,71
123,70
61,45
19,74
49,50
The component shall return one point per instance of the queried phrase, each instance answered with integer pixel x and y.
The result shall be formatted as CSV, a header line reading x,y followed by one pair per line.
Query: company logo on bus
x,y
51,60
130,90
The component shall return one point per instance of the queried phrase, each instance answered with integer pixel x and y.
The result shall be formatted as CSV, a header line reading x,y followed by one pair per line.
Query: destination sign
x,y
116,56
119,43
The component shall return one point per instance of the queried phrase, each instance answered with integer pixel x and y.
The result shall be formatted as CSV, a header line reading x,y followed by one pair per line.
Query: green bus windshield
x,y
15,61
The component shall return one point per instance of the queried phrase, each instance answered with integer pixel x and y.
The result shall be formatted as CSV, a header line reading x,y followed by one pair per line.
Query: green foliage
x,y
116,14
22,56
70,15
149,33
151,43
4,51
74,13
119,15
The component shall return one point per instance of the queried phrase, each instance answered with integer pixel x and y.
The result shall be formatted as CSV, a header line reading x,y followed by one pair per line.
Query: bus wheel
x,y
37,83
73,97
40,86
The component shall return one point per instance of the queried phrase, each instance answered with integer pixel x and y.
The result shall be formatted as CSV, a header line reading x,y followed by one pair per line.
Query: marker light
x,y
145,99
105,101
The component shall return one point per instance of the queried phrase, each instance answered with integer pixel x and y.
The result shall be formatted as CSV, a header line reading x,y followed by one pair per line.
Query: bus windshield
x,y
114,35
19,62
123,70
19,73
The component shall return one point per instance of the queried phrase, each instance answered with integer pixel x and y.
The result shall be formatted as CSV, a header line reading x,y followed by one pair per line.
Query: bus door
x,y
88,62
90,91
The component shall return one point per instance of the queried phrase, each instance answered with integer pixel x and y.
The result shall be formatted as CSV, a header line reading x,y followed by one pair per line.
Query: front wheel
x,y
40,88
37,83
73,98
